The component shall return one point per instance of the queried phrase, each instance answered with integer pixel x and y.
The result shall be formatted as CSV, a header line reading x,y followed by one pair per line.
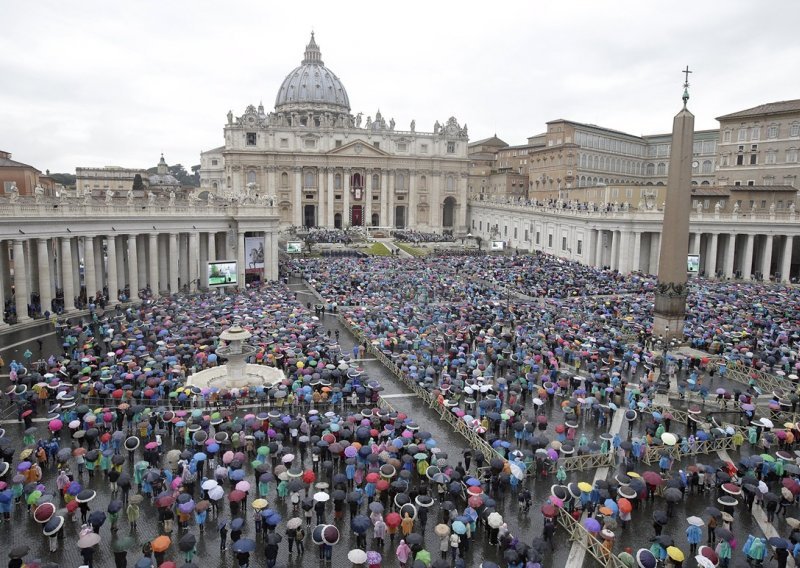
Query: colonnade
x,y
74,269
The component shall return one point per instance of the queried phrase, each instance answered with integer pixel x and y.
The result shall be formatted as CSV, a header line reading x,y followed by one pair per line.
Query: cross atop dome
x,y
313,54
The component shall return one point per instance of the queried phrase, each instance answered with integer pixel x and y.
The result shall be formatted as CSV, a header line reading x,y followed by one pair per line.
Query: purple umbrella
x,y
187,507
592,525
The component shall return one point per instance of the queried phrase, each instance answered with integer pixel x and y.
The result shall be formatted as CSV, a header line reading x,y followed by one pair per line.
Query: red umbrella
x,y
382,485
27,413
44,512
373,477
652,478
117,394
309,477
549,511
393,520
165,501
236,496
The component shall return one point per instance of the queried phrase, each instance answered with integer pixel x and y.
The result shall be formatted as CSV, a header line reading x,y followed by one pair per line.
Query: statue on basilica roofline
x,y
391,124
358,120
171,197
109,196
413,125
13,192
38,193
437,127
230,118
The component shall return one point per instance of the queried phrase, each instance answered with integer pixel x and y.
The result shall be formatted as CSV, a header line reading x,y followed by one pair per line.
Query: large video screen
x,y
294,247
497,245
221,273
254,254
693,264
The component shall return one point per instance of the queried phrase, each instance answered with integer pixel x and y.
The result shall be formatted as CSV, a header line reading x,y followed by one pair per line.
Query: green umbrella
x,y
626,559
124,543
767,458
33,497
263,451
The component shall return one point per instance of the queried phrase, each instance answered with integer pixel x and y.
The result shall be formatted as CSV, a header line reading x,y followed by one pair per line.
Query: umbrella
x,y
695,521
779,542
645,559
441,530
244,545
161,543
360,524
53,525
89,540
495,519
124,543
44,512
321,496
86,495
704,562
294,523
590,524
675,553
330,534
357,556
187,542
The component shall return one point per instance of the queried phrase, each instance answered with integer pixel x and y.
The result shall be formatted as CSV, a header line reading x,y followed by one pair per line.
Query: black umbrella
x,y
273,538
414,539
660,517
187,542
723,533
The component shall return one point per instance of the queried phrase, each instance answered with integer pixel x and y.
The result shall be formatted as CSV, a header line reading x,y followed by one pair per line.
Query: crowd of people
x,y
410,236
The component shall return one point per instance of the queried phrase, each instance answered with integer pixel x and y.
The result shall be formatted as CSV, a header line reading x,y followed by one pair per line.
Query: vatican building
x,y
324,166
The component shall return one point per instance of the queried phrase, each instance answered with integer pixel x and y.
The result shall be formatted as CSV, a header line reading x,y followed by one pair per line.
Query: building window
x,y
310,143
376,181
707,167
402,147
251,177
550,241
769,180
309,180
563,243
538,238
401,181
742,134
753,159
309,196
505,230
377,145
751,182
451,183
451,147
527,236
284,179
423,149
284,142
726,136
794,129
338,143
251,138
423,182
515,232
662,168
772,157
772,131
755,133
739,160
791,155
473,223
338,196
579,247
337,181
706,204
214,162
737,182
376,197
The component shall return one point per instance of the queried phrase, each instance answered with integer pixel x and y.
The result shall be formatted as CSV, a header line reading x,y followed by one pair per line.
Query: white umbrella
x,y
495,520
209,484
294,523
357,556
216,493
704,562
321,496
669,438
696,521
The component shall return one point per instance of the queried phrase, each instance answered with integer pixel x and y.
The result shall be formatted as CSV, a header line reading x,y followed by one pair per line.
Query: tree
x,y
67,180
138,184
478,241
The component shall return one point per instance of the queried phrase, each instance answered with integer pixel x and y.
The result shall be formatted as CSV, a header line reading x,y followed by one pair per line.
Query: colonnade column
x,y
67,277
598,254
174,287
113,283
730,255
747,265
637,252
21,294
623,262
390,199
133,268
766,259
194,260
298,198
614,263
411,217
240,261
89,276
212,247
655,250
43,258
711,256
786,261
152,273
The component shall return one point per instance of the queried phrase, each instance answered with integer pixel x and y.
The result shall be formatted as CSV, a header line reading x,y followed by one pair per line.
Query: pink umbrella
x,y
243,486
176,483
55,425
227,457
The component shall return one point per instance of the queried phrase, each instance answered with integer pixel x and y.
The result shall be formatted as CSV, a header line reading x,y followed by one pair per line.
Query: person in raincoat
x,y
561,474
403,553
407,525
693,536
724,551
132,513
755,549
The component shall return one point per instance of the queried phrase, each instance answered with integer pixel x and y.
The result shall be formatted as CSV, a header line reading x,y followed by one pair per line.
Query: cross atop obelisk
x,y
686,86
670,299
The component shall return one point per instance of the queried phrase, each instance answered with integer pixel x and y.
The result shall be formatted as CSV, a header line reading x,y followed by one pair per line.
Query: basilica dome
x,y
312,86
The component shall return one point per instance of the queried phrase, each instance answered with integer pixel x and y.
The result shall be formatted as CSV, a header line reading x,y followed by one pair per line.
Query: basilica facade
x,y
324,166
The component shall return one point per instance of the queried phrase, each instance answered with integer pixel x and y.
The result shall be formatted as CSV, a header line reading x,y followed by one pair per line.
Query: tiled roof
x,y
779,107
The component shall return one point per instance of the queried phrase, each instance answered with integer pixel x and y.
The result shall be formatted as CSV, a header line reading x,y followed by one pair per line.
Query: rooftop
x,y
780,107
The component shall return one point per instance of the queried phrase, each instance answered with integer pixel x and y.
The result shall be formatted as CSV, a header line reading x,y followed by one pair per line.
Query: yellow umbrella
x,y
584,487
259,504
633,475
675,553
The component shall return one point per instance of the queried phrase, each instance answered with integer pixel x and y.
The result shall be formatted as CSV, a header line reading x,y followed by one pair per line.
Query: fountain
x,y
236,373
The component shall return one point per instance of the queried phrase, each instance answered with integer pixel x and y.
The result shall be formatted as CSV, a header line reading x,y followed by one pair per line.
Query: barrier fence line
x,y
472,438
594,546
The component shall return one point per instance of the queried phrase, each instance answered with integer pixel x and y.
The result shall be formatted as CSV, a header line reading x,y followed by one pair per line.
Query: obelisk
x,y
670,300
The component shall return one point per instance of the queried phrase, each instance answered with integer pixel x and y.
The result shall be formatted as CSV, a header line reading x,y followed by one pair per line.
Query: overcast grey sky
x,y
93,83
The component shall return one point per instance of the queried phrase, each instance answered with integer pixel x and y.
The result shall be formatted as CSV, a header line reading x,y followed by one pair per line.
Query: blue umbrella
x,y
199,456
237,524
459,527
237,475
360,524
244,545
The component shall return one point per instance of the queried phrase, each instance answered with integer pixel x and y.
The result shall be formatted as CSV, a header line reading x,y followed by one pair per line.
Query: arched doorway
x,y
356,219
448,213
376,220
337,221
400,217
310,216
